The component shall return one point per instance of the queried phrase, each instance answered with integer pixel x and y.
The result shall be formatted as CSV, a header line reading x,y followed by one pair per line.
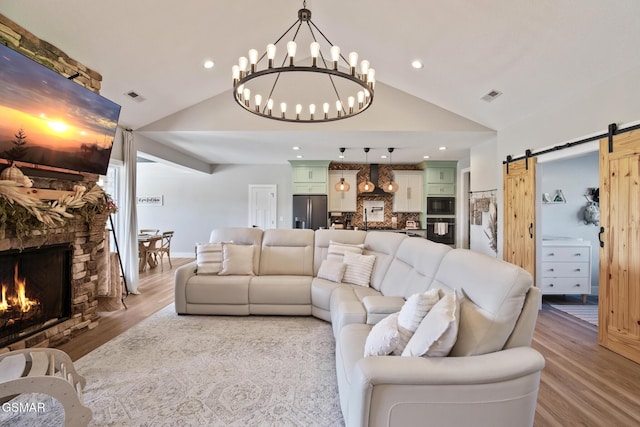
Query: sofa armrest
x,y
181,277
488,389
380,306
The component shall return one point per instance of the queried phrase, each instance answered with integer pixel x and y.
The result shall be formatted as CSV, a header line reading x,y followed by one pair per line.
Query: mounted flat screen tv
x,y
47,119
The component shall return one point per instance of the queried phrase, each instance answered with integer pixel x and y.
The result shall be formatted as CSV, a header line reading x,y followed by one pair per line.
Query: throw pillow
x,y
359,268
208,258
237,260
413,311
438,331
383,337
332,270
336,250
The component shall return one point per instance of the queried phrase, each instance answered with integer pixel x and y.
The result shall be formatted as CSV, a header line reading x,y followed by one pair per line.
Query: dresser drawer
x,y
565,269
565,253
565,285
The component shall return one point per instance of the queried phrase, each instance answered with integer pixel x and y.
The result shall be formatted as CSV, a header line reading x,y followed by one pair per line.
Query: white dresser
x,y
566,267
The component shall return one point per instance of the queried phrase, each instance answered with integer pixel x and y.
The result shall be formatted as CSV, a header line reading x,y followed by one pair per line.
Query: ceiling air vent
x,y
491,95
135,96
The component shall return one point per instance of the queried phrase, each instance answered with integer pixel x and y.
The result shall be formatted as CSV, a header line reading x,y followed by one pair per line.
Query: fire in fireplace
x,y
35,287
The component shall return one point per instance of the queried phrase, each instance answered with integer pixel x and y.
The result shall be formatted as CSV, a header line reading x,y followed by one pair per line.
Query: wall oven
x,y
441,205
442,230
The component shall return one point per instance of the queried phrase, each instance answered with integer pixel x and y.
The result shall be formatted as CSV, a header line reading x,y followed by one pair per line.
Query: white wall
x,y
485,167
195,202
573,176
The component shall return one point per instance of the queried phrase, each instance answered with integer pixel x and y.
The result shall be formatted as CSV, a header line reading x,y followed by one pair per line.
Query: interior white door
x,y
263,202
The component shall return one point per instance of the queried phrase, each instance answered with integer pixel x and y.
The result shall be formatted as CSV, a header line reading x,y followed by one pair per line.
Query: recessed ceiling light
x,y
425,157
384,156
442,148
295,148
299,157
208,64
417,64
341,156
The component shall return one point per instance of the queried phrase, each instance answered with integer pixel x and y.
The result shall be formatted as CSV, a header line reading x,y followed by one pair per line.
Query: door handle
x,y
531,230
600,237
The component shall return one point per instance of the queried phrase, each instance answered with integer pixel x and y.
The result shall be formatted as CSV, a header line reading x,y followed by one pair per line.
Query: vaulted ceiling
x,y
534,52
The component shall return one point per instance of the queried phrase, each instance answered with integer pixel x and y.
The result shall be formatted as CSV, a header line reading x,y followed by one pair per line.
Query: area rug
x,y
586,312
172,370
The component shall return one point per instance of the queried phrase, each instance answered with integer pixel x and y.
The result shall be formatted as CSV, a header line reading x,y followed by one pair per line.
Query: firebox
x,y
36,290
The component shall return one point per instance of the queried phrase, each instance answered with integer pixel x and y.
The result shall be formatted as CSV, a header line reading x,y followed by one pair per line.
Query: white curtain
x,y
130,213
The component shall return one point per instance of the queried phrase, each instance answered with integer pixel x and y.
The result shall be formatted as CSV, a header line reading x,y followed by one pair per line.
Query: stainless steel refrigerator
x,y
310,211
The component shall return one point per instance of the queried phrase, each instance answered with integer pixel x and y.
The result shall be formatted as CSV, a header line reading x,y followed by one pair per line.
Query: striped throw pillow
x,y
359,268
337,250
208,258
413,311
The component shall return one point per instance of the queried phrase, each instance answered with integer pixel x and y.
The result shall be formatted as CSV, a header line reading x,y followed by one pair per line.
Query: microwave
x,y
441,205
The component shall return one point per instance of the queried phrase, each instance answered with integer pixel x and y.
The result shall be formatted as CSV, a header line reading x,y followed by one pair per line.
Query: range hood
x,y
374,177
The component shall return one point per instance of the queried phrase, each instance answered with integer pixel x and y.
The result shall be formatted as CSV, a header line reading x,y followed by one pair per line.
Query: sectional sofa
x,y
491,375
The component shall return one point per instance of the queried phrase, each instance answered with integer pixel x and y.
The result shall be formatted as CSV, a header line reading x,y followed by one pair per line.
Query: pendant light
x,y
342,185
366,186
391,186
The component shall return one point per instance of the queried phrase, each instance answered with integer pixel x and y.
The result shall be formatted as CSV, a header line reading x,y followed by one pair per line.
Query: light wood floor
x,y
582,384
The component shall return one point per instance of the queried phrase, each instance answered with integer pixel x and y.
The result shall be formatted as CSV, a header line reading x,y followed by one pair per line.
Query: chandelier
x,y
314,88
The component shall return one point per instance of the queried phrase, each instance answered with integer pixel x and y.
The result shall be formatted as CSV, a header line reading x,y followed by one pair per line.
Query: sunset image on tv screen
x,y
47,119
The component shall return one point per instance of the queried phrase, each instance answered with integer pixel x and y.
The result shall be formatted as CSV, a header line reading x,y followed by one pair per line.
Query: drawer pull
x,y
577,285
578,254
551,269
552,254
551,285
577,269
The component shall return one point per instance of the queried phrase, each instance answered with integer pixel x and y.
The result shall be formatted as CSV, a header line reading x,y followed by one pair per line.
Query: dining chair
x,y
150,231
165,248
148,249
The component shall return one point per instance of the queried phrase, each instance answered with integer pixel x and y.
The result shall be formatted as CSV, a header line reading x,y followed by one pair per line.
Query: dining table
x,y
147,244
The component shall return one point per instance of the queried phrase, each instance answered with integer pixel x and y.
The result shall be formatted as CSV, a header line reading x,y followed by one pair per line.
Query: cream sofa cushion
x,y
337,250
411,315
383,338
359,268
332,270
208,258
438,331
237,260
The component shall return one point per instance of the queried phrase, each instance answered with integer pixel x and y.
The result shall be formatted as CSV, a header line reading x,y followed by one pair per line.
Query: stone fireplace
x,y
80,245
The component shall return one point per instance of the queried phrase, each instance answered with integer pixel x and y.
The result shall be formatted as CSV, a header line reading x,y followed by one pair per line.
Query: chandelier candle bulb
x,y
325,108
235,71
271,54
352,101
339,107
371,77
312,110
283,109
360,99
253,59
298,111
243,62
315,51
269,106
364,69
247,96
291,51
353,62
335,56
258,100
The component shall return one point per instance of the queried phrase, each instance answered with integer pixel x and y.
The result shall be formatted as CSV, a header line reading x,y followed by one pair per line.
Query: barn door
x,y
619,296
519,242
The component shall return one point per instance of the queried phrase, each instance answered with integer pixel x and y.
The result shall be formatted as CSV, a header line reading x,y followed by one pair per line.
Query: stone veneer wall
x,y
384,172
18,38
87,239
